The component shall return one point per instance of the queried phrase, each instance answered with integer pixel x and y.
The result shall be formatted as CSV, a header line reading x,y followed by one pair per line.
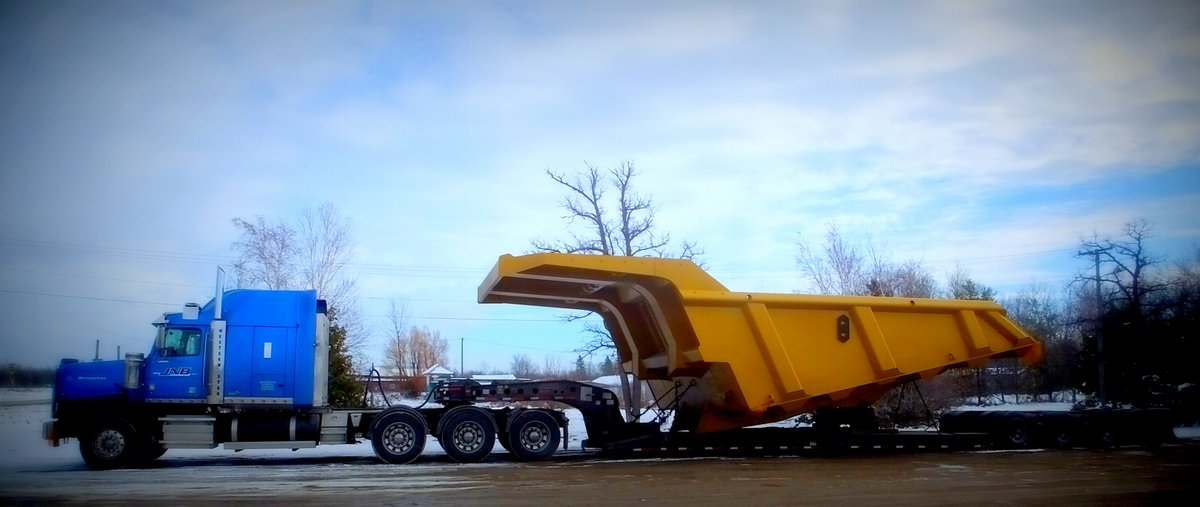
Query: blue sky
x,y
991,135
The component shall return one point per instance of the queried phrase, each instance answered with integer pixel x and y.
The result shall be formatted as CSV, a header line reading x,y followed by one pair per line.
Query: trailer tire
x,y
468,434
1018,432
111,444
533,436
1064,437
502,432
502,439
398,435
1107,438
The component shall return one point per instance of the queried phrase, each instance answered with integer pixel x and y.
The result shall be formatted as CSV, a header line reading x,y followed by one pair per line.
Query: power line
x,y
520,346
117,300
483,319
384,269
366,268
94,277
9,291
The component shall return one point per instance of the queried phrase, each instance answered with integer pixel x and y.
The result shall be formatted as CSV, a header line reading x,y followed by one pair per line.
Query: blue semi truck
x,y
249,370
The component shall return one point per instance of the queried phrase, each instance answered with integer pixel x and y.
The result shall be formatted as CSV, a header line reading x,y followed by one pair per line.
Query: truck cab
x,y
248,356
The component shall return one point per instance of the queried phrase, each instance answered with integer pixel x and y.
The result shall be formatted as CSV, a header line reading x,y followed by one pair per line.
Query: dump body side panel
x,y
757,358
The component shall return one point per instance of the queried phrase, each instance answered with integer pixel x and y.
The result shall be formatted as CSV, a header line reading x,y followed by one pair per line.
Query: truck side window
x,y
179,342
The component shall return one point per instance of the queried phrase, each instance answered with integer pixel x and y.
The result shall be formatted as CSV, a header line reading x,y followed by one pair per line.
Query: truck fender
x,y
454,411
400,408
511,417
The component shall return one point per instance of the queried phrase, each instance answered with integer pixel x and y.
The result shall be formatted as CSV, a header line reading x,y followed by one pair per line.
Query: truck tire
x,y
502,439
398,436
151,450
502,433
468,434
111,444
1018,432
533,436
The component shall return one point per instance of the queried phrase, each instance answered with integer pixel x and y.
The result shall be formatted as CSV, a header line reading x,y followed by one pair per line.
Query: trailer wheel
x,y
468,434
1017,432
110,444
398,437
1107,438
534,436
1064,437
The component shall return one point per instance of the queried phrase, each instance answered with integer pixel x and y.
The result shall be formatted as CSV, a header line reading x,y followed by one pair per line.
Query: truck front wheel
x,y
151,450
398,436
111,444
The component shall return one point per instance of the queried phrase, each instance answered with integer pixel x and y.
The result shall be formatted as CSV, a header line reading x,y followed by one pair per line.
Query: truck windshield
x,y
179,342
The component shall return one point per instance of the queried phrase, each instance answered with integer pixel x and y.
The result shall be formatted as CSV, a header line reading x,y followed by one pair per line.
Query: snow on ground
x,y
1054,406
24,395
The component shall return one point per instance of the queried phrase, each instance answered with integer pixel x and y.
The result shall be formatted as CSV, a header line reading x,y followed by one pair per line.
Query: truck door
x,y
175,372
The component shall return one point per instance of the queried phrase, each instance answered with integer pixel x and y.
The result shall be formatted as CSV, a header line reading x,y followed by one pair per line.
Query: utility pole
x,y
462,348
1099,324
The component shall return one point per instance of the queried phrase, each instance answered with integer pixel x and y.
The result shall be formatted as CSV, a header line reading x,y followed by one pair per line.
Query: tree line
x,y
552,367
16,375
1143,309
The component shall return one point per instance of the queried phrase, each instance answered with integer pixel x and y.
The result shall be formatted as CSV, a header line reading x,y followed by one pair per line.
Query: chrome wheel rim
x,y
399,438
535,436
468,436
109,444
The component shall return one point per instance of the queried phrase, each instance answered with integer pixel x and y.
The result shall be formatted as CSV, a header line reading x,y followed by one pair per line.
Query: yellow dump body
x,y
757,358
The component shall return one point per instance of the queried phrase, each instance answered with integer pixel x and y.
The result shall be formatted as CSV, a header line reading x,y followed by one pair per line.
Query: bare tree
x,y
415,350
1041,313
553,367
623,227
325,246
960,285
908,279
396,352
266,254
840,268
428,348
522,366
1126,268
836,267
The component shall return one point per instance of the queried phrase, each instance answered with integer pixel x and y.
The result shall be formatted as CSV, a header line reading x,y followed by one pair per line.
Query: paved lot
x,y
1125,476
